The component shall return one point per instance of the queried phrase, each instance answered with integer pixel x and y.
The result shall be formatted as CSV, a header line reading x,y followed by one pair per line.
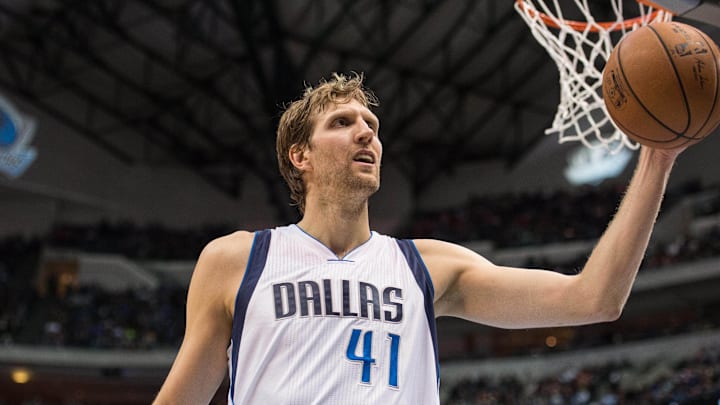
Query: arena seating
x,y
40,308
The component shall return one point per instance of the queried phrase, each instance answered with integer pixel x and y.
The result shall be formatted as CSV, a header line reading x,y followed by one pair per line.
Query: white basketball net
x,y
580,52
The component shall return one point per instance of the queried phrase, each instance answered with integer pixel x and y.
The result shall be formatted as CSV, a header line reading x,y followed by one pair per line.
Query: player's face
x,y
345,149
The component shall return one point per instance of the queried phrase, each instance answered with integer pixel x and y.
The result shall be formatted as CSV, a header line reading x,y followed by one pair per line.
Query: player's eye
x,y
340,122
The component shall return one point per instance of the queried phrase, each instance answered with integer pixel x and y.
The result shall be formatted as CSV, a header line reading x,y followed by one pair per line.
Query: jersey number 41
x,y
367,360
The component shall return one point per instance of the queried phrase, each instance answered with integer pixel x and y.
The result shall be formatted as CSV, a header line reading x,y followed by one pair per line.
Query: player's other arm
x,y
470,287
201,362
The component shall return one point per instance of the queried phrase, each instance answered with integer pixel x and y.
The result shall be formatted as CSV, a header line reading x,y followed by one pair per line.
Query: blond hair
x,y
298,121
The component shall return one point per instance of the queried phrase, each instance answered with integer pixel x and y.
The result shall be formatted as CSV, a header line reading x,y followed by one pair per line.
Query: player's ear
x,y
298,157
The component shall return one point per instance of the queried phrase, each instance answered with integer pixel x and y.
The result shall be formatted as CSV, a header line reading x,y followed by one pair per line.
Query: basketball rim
x,y
581,26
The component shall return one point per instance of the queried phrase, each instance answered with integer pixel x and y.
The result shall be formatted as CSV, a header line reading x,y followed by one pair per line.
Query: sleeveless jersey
x,y
312,328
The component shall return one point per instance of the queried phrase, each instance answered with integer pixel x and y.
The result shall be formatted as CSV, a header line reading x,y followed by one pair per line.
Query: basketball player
x,y
327,311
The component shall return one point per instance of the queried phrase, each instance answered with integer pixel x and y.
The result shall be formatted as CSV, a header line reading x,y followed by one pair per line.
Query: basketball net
x,y
580,50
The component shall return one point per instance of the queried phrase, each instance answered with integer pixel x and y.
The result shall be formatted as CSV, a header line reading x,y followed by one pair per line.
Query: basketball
x,y
661,85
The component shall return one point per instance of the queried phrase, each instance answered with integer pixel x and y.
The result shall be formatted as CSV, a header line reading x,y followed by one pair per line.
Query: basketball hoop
x,y
580,50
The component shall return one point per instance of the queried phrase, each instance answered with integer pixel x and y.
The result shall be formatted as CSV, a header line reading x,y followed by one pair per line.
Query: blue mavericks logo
x,y
16,132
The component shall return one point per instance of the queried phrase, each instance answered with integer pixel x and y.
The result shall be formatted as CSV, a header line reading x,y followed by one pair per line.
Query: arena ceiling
x,y
201,83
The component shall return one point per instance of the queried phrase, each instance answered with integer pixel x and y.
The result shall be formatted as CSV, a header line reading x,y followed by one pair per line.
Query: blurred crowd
x,y
152,241
18,262
682,248
89,317
692,381
521,220
532,218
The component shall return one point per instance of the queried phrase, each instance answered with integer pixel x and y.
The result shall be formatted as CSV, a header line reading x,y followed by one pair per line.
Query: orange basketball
x,y
661,85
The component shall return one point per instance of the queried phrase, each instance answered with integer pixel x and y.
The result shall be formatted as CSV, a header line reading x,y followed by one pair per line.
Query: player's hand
x,y
662,154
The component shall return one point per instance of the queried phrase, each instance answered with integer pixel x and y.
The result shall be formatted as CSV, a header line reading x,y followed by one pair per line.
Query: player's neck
x,y
340,228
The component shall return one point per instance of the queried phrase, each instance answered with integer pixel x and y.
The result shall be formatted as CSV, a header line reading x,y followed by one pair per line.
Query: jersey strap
x,y
255,266
422,276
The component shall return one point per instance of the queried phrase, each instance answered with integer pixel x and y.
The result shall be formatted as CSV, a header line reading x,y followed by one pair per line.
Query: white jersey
x,y
312,328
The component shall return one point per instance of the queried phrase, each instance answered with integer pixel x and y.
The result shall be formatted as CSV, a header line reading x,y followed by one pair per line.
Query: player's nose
x,y
364,133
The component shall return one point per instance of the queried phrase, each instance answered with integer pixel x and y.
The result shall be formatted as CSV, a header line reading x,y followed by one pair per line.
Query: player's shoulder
x,y
219,270
225,256
222,263
231,241
228,248
435,246
446,255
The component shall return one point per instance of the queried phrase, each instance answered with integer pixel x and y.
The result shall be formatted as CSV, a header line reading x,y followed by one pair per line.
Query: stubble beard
x,y
347,184
364,186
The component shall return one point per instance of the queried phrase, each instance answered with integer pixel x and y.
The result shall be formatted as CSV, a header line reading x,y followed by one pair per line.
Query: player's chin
x,y
368,171
367,181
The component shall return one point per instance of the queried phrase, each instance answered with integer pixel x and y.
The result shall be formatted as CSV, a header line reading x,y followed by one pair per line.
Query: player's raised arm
x,y
201,363
469,286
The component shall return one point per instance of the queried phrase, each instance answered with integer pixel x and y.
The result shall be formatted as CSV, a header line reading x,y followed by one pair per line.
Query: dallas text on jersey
x,y
359,299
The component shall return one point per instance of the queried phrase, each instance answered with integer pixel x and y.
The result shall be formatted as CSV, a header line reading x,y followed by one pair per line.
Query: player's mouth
x,y
365,156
